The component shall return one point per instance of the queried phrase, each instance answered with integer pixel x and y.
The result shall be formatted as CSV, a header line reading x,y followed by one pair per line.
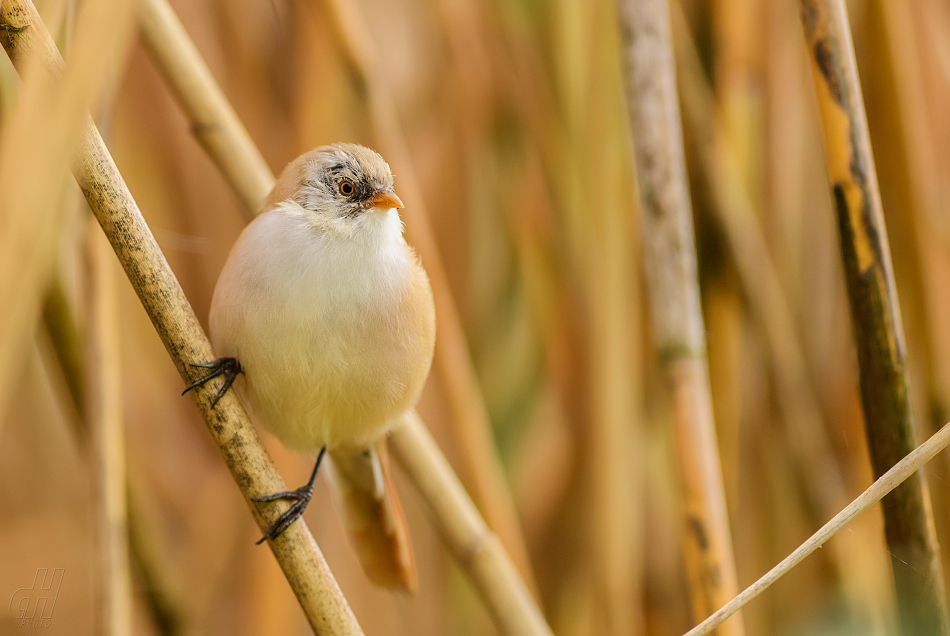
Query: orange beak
x,y
385,200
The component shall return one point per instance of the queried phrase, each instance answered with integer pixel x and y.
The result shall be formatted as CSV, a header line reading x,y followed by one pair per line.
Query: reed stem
x,y
213,121
104,403
875,315
673,293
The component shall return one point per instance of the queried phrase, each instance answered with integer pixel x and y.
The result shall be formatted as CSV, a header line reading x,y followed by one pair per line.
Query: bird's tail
x,y
363,491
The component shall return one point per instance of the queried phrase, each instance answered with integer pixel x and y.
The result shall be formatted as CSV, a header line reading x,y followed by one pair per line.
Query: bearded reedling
x,y
328,314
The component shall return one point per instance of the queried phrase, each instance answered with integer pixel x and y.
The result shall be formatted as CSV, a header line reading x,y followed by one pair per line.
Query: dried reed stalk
x,y
59,319
213,121
475,547
909,179
886,483
149,561
22,31
798,402
173,54
674,300
875,315
34,158
104,403
470,414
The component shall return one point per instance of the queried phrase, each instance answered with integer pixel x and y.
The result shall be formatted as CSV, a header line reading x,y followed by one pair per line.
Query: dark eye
x,y
346,188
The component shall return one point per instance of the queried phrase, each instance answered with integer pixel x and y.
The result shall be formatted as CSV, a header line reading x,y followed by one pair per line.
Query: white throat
x,y
360,258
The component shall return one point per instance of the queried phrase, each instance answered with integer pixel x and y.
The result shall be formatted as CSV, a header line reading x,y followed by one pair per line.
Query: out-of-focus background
x,y
517,131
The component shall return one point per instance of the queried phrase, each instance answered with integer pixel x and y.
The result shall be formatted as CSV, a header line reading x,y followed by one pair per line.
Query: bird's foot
x,y
228,367
300,497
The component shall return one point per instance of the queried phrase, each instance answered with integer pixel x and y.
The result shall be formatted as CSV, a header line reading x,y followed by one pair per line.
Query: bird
x,y
324,317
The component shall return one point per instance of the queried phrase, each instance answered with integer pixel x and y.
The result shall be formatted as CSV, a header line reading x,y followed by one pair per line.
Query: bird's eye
x,y
346,188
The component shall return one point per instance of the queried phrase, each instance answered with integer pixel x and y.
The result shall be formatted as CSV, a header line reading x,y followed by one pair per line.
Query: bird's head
x,y
337,184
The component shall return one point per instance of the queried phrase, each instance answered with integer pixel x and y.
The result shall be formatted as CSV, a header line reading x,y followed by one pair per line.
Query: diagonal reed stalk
x,y
673,290
22,32
875,315
468,538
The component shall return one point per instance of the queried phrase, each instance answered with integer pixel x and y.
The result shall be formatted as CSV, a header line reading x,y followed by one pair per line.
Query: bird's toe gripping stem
x,y
228,367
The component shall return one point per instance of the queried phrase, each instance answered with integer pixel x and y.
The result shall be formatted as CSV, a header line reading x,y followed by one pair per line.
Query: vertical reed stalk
x,y
22,31
615,456
875,315
34,157
423,466
104,403
908,177
674,300
59,319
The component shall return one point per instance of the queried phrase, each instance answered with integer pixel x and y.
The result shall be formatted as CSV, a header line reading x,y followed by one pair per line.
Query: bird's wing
x,y
366,499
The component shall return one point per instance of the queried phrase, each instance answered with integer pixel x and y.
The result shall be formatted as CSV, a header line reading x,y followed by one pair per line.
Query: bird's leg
x,y
300,497
228,367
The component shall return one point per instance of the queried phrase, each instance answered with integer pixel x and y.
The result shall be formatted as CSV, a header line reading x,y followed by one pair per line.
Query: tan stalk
x,y
419,467
909,180
104,403
673,289
22,31
875,315
58,317
213,121
34,158
890,480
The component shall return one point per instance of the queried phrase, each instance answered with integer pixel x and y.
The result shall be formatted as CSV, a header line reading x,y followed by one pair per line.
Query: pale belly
x,y
334,383
325,364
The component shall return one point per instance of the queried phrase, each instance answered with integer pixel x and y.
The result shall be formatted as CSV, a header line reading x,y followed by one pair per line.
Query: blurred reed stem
x,y
875,315
34,155
477,447
148,557
616,426
22,31
908,170
907,174
801,413
672,285
64,333
213,121
113,614
159,23
902,471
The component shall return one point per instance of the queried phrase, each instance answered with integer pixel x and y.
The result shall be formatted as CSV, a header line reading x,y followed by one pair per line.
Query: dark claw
x,y
228,367
283,521
287,494
301,498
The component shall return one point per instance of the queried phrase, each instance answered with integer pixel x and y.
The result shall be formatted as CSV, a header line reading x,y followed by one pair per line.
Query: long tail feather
x,y
363,491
